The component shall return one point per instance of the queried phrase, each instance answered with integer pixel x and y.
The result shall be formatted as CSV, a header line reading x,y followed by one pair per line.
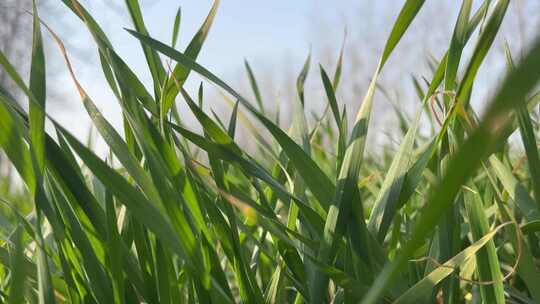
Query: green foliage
x,y
173,216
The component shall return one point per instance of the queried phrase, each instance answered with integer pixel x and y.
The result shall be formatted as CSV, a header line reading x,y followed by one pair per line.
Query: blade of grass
x,y
254,86
487,262
347,196
154,62
18,274
317,181
429,282
181,72
176,27
481,142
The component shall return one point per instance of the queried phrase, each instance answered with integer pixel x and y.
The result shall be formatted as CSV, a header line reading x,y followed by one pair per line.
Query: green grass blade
x,y
316,179
346,190
301,79
18,273
254,86
528,138
252,169
386,203
529,142
459,38
481,142
429,282
330,94
481,49
515,189
154,62
181,72
339,66
176,27
406,16
141,208
487,262
37,87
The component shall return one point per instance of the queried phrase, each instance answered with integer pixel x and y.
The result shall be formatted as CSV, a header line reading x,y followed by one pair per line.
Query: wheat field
x,y
176,214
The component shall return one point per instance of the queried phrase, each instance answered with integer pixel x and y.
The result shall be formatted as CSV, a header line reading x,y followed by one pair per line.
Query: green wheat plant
x,y
175,215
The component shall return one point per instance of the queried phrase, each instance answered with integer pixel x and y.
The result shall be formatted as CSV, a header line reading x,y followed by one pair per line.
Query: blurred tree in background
x,y
15,39
364,22
16,35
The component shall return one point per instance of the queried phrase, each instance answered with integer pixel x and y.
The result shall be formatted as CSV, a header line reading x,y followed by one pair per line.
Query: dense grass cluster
x,y
174,216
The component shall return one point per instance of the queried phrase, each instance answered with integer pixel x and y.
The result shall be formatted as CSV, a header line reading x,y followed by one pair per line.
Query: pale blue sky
x,y
274,35
267,33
